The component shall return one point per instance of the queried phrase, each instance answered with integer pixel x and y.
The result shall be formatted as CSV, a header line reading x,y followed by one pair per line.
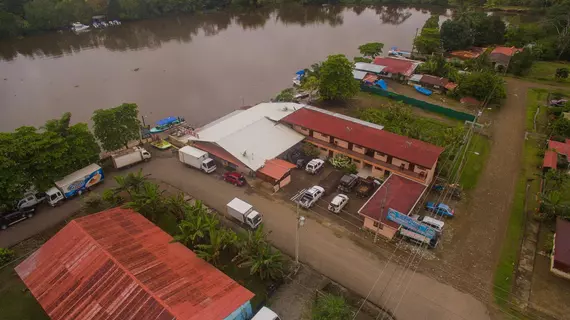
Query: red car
x,y
234,178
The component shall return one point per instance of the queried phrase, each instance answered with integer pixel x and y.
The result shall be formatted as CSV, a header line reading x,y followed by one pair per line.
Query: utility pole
x,y
381,210
300,223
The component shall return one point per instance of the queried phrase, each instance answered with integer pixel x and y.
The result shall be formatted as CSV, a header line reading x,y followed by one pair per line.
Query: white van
x,y
434,223
266,314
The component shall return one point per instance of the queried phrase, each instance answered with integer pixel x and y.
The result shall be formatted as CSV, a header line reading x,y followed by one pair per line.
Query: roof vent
x,y
409,143
244,153
348,129
284,108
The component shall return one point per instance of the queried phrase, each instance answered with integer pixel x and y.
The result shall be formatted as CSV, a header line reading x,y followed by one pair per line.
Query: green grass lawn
x,y
529,175
545,71
16,303
476,159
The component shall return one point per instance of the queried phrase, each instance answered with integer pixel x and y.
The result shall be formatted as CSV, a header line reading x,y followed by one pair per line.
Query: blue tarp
x,y
166,121
423,90
300,72
382,84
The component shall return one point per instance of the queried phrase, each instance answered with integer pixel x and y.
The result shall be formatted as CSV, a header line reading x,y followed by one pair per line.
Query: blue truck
x,y
441,209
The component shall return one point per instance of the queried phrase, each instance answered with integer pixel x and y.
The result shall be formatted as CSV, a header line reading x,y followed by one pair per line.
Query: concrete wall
x,y
381,157
359,164
397,162
384,230
377,172
320,136
341,143
301,130
359,149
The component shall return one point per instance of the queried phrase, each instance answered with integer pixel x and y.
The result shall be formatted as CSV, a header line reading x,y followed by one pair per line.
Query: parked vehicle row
x,y
14,217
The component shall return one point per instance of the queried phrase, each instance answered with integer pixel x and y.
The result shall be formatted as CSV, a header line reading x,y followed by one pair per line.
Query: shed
x,y
118,265
560,259
277,172
358,75
415,79
368,67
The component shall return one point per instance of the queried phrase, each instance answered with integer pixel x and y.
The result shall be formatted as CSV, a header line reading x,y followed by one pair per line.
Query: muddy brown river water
x,y
196,66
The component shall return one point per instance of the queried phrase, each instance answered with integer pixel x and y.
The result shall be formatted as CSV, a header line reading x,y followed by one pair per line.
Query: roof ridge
x,y
120,265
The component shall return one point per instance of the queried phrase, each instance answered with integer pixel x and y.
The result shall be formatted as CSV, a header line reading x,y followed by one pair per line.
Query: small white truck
x,y
418,239
30,200
196,158
311,196
266,314
244,213
314,166
129,157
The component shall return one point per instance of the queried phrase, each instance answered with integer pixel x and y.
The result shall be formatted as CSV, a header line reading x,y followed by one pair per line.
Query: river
x,y
196,66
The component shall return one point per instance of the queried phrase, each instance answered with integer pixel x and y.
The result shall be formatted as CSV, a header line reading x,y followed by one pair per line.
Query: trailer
x,y
130,157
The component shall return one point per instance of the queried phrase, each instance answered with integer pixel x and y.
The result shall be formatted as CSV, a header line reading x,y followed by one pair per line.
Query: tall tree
x,y
456,35
428,41
559,17
116,127
336,79
521,62
371,49
481,85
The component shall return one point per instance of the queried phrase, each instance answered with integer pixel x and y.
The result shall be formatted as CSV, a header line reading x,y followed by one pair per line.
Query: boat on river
x,y
79,27
166,123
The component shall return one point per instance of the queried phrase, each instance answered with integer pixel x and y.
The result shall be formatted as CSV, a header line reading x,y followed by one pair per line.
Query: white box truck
x,y
244,212
129,157
196,158
75,184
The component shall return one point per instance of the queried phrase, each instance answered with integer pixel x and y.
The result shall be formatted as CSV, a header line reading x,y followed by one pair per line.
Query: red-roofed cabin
x,y
560,259
500,56
556,149
277,172
118,265
395,193
396,68
374,151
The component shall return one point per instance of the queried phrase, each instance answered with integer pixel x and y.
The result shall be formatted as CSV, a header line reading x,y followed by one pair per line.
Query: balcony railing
x,y
368,159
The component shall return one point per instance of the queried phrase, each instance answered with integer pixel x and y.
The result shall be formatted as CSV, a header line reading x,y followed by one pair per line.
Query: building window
x,y
378,168
377,225
354,160
324,149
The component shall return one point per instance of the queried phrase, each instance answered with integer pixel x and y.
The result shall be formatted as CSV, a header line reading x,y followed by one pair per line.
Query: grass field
x,y
529,177
16,303
545,70
476,159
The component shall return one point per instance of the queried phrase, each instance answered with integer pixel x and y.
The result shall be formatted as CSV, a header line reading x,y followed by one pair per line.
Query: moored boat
x,y
166,123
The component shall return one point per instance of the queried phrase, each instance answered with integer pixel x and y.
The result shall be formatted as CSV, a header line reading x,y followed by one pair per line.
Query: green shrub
x,y
6,255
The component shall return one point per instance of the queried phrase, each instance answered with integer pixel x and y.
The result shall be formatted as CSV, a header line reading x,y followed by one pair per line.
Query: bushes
x,y
344,163
6,255
331,307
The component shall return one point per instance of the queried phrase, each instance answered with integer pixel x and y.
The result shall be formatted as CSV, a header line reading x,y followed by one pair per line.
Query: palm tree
x,y
220,240
147,200
266,262
178,206
130,183
194,231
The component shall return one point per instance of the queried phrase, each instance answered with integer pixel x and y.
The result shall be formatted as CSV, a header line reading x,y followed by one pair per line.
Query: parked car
x,y
441,209
31,200
310,196
314,166
338,203
234,178
11,218
347,182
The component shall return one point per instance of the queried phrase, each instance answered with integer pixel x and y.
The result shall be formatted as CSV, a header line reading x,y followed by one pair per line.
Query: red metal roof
x,y
562,242
395,66
276,168
560,147
217,151
550,159
396,192
404,148
118,265
433,80
508,51
472,53
450,86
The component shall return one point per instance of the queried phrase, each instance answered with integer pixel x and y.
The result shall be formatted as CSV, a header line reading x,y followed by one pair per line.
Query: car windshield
x,y
53,196
210,164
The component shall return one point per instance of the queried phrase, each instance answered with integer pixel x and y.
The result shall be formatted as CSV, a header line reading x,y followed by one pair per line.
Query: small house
x,y
560,258
437,84
397,68
557,153
501,56
277,172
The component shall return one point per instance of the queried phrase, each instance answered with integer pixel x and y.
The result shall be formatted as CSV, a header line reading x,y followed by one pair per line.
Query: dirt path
x,y
477,243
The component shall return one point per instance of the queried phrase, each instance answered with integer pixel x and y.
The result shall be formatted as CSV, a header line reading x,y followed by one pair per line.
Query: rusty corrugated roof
x,y
118,265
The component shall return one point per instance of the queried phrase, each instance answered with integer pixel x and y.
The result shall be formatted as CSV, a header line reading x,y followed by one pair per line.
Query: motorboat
x,y
166,123
395,52
78,27
96,25
114,22
104,24
298,77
